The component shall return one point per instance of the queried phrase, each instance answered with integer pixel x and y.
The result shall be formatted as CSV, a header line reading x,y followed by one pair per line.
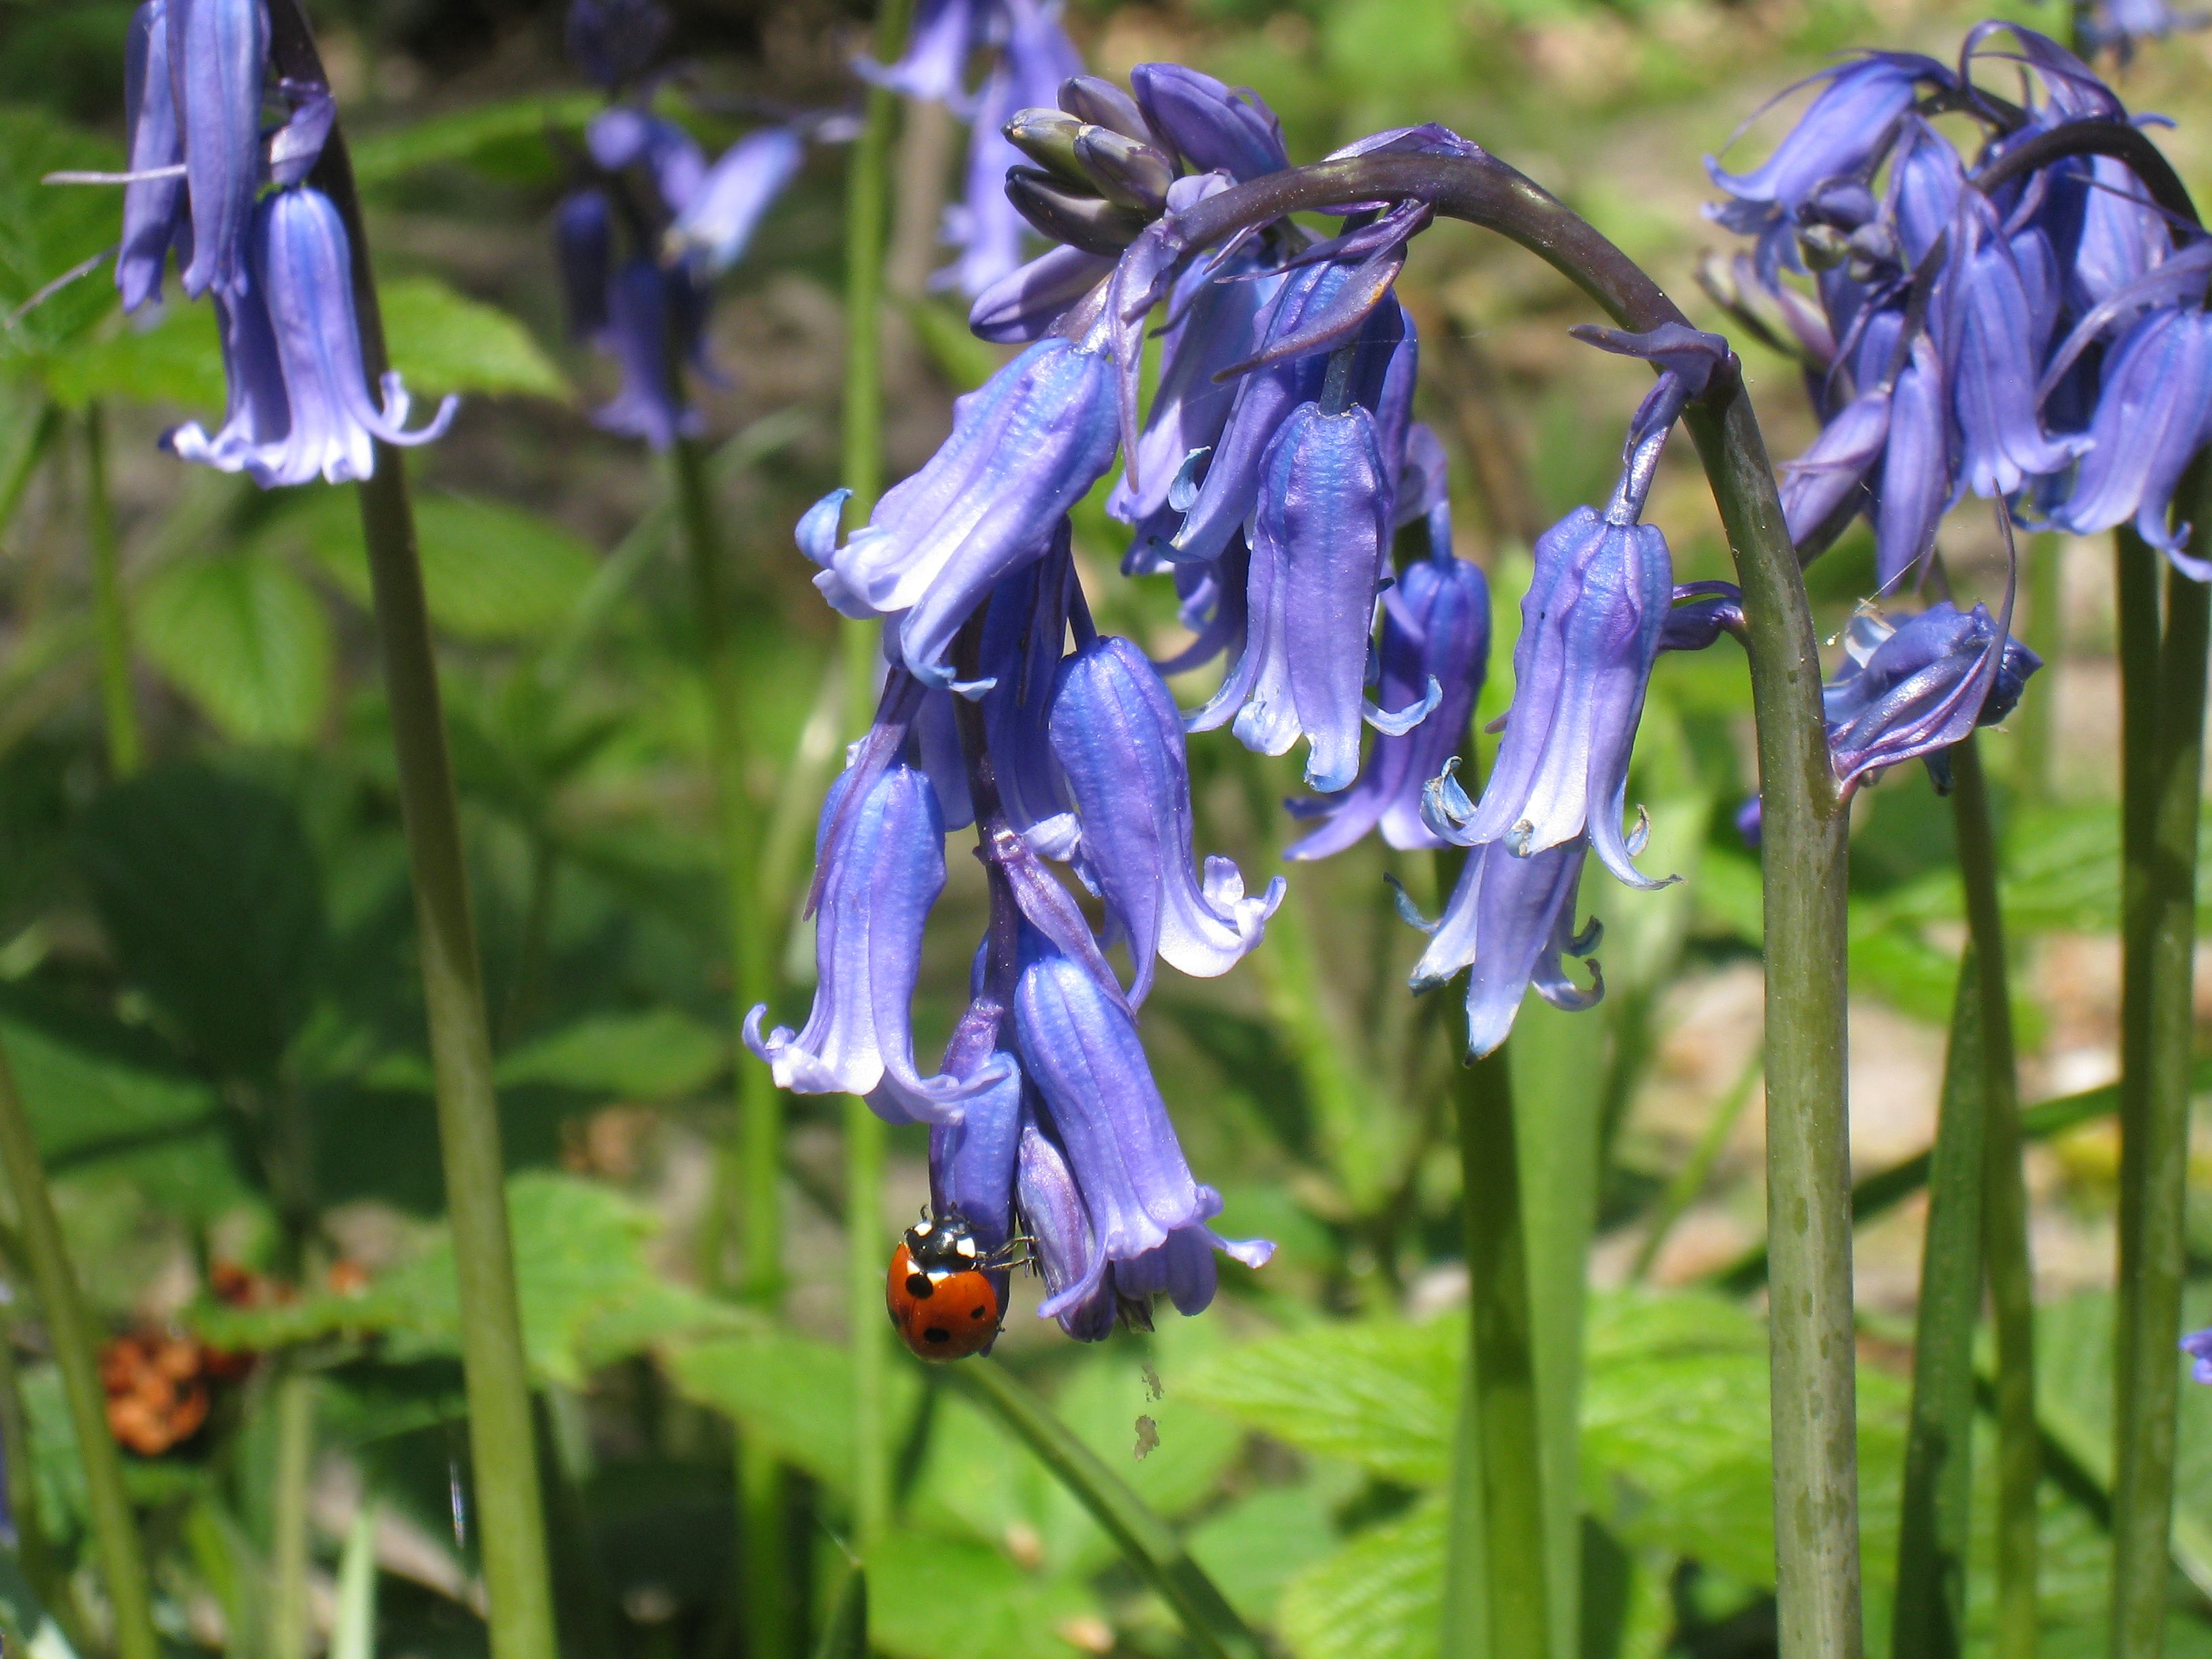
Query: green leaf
x,y
590,1294
928,1596
246,639
176,361
492,573
1383,1593
1384,1400
509,137
443,341
46,230
792,1393
211,898
1259,1546
845,1632
661,1054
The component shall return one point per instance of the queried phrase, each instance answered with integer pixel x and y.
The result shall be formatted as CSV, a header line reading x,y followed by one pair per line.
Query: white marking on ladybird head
x,y
966,1246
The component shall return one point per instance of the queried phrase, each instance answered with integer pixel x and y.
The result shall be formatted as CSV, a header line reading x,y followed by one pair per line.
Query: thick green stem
x,y
22,464
114,1530
288,1615
34,1551
2162,699
114,628
2035,724
866,200
509,1503
1147,1543
1937,1506
1500,1402
2005,1252
1804,862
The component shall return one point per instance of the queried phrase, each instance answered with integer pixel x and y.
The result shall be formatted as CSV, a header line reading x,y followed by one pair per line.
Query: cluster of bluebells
x,y
654,222
220,149
1270,478
1025,57
2034,335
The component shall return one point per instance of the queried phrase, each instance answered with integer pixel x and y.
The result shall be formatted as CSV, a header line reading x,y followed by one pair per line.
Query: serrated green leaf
x,y
47,230
659,1054
1382,1592
210,893
1257,1547
589,1293
244,638
511,131
443,341
1384,1400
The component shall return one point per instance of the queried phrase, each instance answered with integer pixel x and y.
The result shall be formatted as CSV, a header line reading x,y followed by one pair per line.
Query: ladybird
x,y
939,1291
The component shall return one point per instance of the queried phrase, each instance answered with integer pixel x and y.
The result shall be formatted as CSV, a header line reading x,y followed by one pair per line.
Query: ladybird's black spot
x,y
937,1333
979,1313
917,1285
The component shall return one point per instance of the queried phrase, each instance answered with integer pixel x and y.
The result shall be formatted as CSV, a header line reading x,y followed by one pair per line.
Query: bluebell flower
x,y
2154,415
973,1153
622,137
1023,305
1119,740
218,61
654,317
583,239
715,227
1436,631
302,285
1591,629
154,200
612,41
1510,924
1211,127
1025,448
1915,687
2197,1345
945,38
1144,1213
879,867
2120,26
1995,391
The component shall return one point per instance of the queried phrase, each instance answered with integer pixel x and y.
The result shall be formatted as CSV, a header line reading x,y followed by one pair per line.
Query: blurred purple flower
x,y
654,319
715,227
612,41
2197,1345
583,238
1036,58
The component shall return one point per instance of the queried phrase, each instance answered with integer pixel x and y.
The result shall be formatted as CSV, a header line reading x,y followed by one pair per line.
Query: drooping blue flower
x,y
1995,383
154,211
2154,415
715,227
303,272
1101,1106
583,238
879,867
1024,304
1591,629
2120,26
2197,1345
258,413
1320,539
1436,631
972,1154
1917,687
654,316
1025,448
1509,923
1119,738
946,37
622,137
218,60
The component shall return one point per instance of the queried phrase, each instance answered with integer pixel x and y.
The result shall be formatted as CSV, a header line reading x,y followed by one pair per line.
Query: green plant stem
x,y
509,1503
2162,740
288,1616
114,1530
1147,1543
1499,1482
1936,1504
1804,863
2005,1250
23,465
2035,722
113,624
867,203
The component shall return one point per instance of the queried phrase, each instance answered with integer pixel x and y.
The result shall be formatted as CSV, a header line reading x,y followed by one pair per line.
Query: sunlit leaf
x,y
509,137
442,341
661,1054
243,637
1382,1592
